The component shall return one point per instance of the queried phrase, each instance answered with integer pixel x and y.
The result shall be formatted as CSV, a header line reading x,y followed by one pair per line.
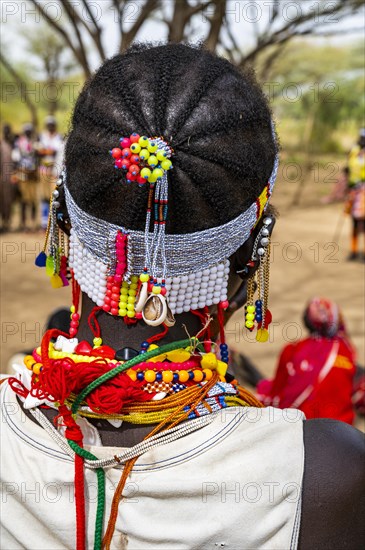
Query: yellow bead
x,y
209,361
123,302
133,293
152,146
166,164
221,368
156,289
144,154
178,356
132,374
125,284
29,361
124,291
250,309
37,368
144,277
143,141
133,286
73,309
152,161
131,299
97,342
262,335
150,376
208,374
249,324
198,375
130,307
158,173
152,178
135,148
183,376
167,376
123,312
145,173
134,279
161,154
250,316
131,314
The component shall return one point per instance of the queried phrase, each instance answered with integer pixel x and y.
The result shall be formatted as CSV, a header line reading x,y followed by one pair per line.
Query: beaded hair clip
x,y
143,159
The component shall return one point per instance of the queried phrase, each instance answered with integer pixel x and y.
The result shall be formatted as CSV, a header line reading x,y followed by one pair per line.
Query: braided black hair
x,y
216,119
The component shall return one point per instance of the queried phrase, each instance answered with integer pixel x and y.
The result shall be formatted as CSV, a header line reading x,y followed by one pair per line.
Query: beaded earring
x,y
257,311
55,249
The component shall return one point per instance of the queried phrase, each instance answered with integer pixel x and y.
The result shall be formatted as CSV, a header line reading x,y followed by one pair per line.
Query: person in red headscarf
x,y
316,374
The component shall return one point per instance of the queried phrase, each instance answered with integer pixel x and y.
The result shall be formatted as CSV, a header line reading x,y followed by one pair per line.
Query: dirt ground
x,y
305,262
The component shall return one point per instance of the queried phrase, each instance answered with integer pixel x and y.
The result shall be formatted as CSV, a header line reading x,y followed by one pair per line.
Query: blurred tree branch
x,y
22,89
179,17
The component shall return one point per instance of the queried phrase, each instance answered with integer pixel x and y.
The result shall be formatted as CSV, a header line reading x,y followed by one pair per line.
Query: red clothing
x,y
314,375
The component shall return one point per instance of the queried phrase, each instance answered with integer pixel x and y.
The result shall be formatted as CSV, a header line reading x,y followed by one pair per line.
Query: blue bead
x,y
223,347
159,376
258,303
140,376
145,345
175,377
258,318
191,375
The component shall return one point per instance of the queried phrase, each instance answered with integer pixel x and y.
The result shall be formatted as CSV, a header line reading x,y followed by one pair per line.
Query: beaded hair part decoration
x,y
149,274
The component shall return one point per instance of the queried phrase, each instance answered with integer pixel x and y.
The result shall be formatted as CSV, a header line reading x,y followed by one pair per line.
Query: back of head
x,y
215,118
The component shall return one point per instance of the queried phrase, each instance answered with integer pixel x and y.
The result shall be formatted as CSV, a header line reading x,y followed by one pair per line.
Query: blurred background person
x,y
25,157
356,195
6,171
316,374
51,153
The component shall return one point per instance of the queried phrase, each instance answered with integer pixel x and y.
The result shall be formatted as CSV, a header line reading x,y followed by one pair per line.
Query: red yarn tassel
x,y
222,335
158,336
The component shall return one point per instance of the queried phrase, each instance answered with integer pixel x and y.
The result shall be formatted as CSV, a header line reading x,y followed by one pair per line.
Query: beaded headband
x,y
148,274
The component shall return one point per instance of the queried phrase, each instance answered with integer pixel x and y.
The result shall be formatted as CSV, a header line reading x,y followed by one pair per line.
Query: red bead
x,y
118,278
141,180
109,292
135,159
116,153
114,311
110,278
126,152
74,324
107,299
134,170
106,307
115,298
125,142
131,177
73,331
75,316
118,163
225,304
115,289
138,315
126,164
134,138
163,291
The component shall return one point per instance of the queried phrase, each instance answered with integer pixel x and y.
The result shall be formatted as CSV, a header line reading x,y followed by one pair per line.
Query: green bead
x,y
144,154
161,154
152,161
143,141
135,148
166,164
152,146
145,173
158,173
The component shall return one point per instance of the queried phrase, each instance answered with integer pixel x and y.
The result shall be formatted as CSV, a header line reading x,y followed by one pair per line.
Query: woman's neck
x,y
117,334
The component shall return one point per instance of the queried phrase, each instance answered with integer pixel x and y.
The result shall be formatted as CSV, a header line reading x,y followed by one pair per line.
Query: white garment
x,y
235,483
